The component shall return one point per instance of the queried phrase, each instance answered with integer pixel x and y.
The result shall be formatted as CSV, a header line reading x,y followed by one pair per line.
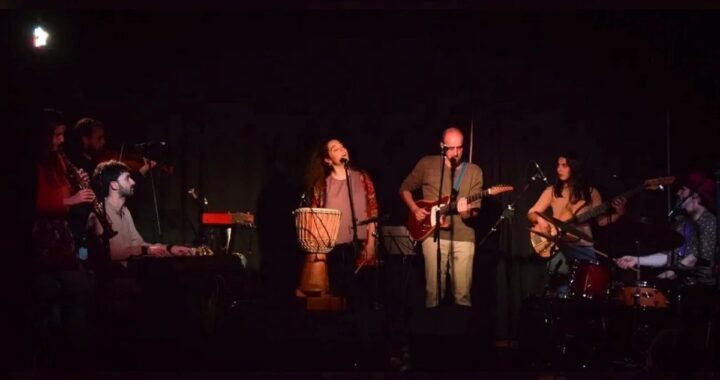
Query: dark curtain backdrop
x,y
242,97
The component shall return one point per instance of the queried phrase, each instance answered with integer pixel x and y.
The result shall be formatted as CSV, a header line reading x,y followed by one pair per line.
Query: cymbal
x,y
566,227
643,236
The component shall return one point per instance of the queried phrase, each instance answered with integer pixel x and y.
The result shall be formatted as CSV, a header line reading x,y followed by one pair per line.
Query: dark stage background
x,y
242,96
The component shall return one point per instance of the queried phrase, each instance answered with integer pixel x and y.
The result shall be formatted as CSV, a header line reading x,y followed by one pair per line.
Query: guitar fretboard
x,y
479,195
604,207
470,199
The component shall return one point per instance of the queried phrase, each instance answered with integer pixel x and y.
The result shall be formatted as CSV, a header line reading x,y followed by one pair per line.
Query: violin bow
x,y
472,128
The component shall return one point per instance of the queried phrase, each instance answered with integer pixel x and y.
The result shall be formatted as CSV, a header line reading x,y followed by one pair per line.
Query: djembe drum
x,y
317,230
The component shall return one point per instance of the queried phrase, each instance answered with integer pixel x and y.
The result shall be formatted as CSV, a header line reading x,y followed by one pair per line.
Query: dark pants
x,y
61,318
359,289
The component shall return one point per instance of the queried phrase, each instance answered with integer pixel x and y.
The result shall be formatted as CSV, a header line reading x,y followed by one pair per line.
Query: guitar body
x,y
542,246
421,229
542,243
540,238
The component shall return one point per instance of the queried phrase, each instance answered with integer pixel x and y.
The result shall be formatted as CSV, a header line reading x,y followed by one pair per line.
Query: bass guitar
x,y
542,240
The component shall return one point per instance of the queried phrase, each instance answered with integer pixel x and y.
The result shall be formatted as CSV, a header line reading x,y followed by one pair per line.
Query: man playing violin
x,y
89,141
88,150
91,150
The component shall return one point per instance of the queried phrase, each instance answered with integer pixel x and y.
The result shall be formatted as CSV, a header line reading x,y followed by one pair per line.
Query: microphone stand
x,y
155,204
202,206
378,304
716,266
379,260
672,259
201,185
508,213
154,195
356,241
436,233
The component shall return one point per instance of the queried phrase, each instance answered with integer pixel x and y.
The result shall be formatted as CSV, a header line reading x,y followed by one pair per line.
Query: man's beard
x,y
126,191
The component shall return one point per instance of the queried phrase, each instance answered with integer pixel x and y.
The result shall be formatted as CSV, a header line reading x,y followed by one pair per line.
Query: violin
x,y
134,160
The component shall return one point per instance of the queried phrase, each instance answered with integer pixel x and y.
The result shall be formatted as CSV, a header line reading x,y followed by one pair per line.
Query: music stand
x,y
397,241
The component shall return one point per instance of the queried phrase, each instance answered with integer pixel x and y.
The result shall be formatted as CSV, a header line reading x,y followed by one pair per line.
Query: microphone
x,y
542,175
147,144
303,200
678,206
345,161
444,149
193,193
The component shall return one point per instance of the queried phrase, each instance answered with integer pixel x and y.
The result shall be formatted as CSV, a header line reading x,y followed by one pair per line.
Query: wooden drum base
x,y
314,290
320,303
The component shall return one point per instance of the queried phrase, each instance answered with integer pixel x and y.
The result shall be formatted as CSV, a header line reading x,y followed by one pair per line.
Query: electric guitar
x,y
542,240
420,229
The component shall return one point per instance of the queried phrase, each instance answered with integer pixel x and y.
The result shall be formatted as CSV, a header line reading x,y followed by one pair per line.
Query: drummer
x,y
327,183
695,222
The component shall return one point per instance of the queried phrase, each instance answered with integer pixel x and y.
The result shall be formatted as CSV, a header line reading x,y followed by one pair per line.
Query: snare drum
x,y
643,294
588,279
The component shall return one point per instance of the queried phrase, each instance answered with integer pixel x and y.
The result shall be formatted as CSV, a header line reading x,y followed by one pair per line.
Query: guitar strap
x,y
458,180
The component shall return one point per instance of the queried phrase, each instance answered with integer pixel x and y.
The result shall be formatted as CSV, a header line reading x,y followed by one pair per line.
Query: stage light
x,y
40,37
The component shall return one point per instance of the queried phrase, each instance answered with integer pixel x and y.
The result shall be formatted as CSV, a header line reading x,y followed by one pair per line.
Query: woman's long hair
x,y
48,159
578,187
317,169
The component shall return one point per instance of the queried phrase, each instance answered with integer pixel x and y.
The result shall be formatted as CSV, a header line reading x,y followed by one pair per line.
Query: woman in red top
x,y
52,238
326,182
60,287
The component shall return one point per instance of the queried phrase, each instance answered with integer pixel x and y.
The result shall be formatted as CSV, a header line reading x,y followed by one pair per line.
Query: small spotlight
x,y
40,37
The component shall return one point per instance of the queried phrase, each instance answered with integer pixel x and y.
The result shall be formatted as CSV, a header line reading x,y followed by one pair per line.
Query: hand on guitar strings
x,y
420,213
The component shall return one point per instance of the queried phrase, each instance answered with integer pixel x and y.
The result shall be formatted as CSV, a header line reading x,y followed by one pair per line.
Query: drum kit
x,y
600,320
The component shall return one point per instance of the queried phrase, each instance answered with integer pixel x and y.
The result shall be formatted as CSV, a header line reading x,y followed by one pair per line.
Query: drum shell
x,y
317,228
589,280
642,294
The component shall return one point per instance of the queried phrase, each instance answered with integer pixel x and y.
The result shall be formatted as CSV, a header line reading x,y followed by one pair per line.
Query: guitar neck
x,y
479,195
470,199
605,206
